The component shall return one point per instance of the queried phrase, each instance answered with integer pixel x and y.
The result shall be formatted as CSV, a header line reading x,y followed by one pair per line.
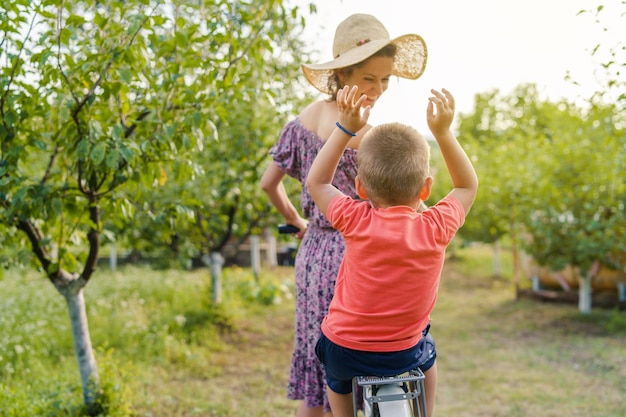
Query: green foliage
x,y
499,141
267,291
583,215
201,201
617,322
115,397
39,397
157,116
552,171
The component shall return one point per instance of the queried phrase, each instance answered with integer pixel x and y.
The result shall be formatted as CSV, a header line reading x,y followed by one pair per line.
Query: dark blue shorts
x,y
342,364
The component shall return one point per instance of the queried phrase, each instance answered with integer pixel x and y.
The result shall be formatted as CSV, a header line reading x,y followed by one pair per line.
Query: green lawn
x,y
163,350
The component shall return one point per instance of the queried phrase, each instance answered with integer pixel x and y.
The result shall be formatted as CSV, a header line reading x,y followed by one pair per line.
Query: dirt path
x,y
256,364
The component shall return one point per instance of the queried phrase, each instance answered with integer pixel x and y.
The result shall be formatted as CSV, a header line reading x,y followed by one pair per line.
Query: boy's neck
x,y
417,205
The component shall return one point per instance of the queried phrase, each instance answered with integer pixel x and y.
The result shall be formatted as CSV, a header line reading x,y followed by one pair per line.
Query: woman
x,y
365,56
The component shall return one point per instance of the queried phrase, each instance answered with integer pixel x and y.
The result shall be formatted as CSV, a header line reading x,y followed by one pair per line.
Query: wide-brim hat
x,y
359,37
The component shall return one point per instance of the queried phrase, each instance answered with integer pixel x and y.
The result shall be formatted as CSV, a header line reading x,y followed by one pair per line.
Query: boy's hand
x,y
439,122
350,115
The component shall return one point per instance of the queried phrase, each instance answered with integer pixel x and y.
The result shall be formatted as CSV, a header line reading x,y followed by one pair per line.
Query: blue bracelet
x,y
345,130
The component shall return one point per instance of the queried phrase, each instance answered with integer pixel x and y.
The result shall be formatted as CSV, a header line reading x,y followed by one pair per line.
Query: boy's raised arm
x,y
462,173
320,177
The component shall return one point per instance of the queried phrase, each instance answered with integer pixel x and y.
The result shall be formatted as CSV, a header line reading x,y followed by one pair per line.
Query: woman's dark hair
x,y
334,83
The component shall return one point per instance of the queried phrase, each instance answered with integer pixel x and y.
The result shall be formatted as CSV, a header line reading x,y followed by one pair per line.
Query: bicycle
x,y
395,396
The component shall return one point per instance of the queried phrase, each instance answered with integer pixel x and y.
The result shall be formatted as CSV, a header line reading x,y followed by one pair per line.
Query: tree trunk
x,y
113,258
255,255
584,287
584,294
82,346
215,261
516,261
270,253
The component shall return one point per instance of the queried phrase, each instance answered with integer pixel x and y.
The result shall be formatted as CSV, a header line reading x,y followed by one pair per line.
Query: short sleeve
x,y
285,152
448,214
345,213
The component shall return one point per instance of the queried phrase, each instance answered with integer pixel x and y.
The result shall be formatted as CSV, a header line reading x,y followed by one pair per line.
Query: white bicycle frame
x,y
396,396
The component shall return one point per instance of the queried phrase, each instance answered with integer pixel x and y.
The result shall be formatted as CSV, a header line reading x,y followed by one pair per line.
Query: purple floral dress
x,y
317,261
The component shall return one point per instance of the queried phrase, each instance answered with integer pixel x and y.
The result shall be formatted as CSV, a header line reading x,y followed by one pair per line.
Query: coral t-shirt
x,y
388,280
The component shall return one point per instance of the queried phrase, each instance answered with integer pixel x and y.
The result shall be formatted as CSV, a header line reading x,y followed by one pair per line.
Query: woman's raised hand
x,y
350,115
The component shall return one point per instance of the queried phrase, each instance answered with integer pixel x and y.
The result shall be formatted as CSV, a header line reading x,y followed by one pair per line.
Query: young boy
x,y
387,284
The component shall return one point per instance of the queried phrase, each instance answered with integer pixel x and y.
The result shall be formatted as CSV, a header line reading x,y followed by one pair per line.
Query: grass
x,y
164,350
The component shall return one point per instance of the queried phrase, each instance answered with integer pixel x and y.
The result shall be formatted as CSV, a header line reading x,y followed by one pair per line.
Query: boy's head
x,y
393,165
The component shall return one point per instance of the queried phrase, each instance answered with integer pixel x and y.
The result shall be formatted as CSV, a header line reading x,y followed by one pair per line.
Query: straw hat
x,y
361,36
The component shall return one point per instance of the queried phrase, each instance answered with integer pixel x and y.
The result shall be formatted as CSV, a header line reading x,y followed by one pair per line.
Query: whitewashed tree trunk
x,y
584,294
621,291
87,365
217,262
271,252
113,257
584,287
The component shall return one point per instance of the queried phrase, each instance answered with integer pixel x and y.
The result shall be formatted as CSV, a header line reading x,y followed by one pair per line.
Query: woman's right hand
x,y
301,224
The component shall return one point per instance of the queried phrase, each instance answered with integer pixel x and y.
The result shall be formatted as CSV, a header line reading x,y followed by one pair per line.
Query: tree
x,y
551,172
101,98
582,220
201,222
220,200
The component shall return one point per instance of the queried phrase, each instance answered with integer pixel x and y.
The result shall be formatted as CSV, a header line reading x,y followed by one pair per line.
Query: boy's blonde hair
x,y
393,164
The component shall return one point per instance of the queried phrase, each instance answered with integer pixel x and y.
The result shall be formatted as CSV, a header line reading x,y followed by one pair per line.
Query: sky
x,y
480,45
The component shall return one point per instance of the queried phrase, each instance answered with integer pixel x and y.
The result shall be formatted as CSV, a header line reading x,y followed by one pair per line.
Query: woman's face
x,y
372,78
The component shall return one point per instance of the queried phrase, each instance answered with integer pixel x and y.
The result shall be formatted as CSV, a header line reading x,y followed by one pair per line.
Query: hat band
x,y
359,43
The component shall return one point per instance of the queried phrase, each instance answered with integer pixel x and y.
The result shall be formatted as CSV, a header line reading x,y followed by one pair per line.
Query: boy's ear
x,y
359,188
425,192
